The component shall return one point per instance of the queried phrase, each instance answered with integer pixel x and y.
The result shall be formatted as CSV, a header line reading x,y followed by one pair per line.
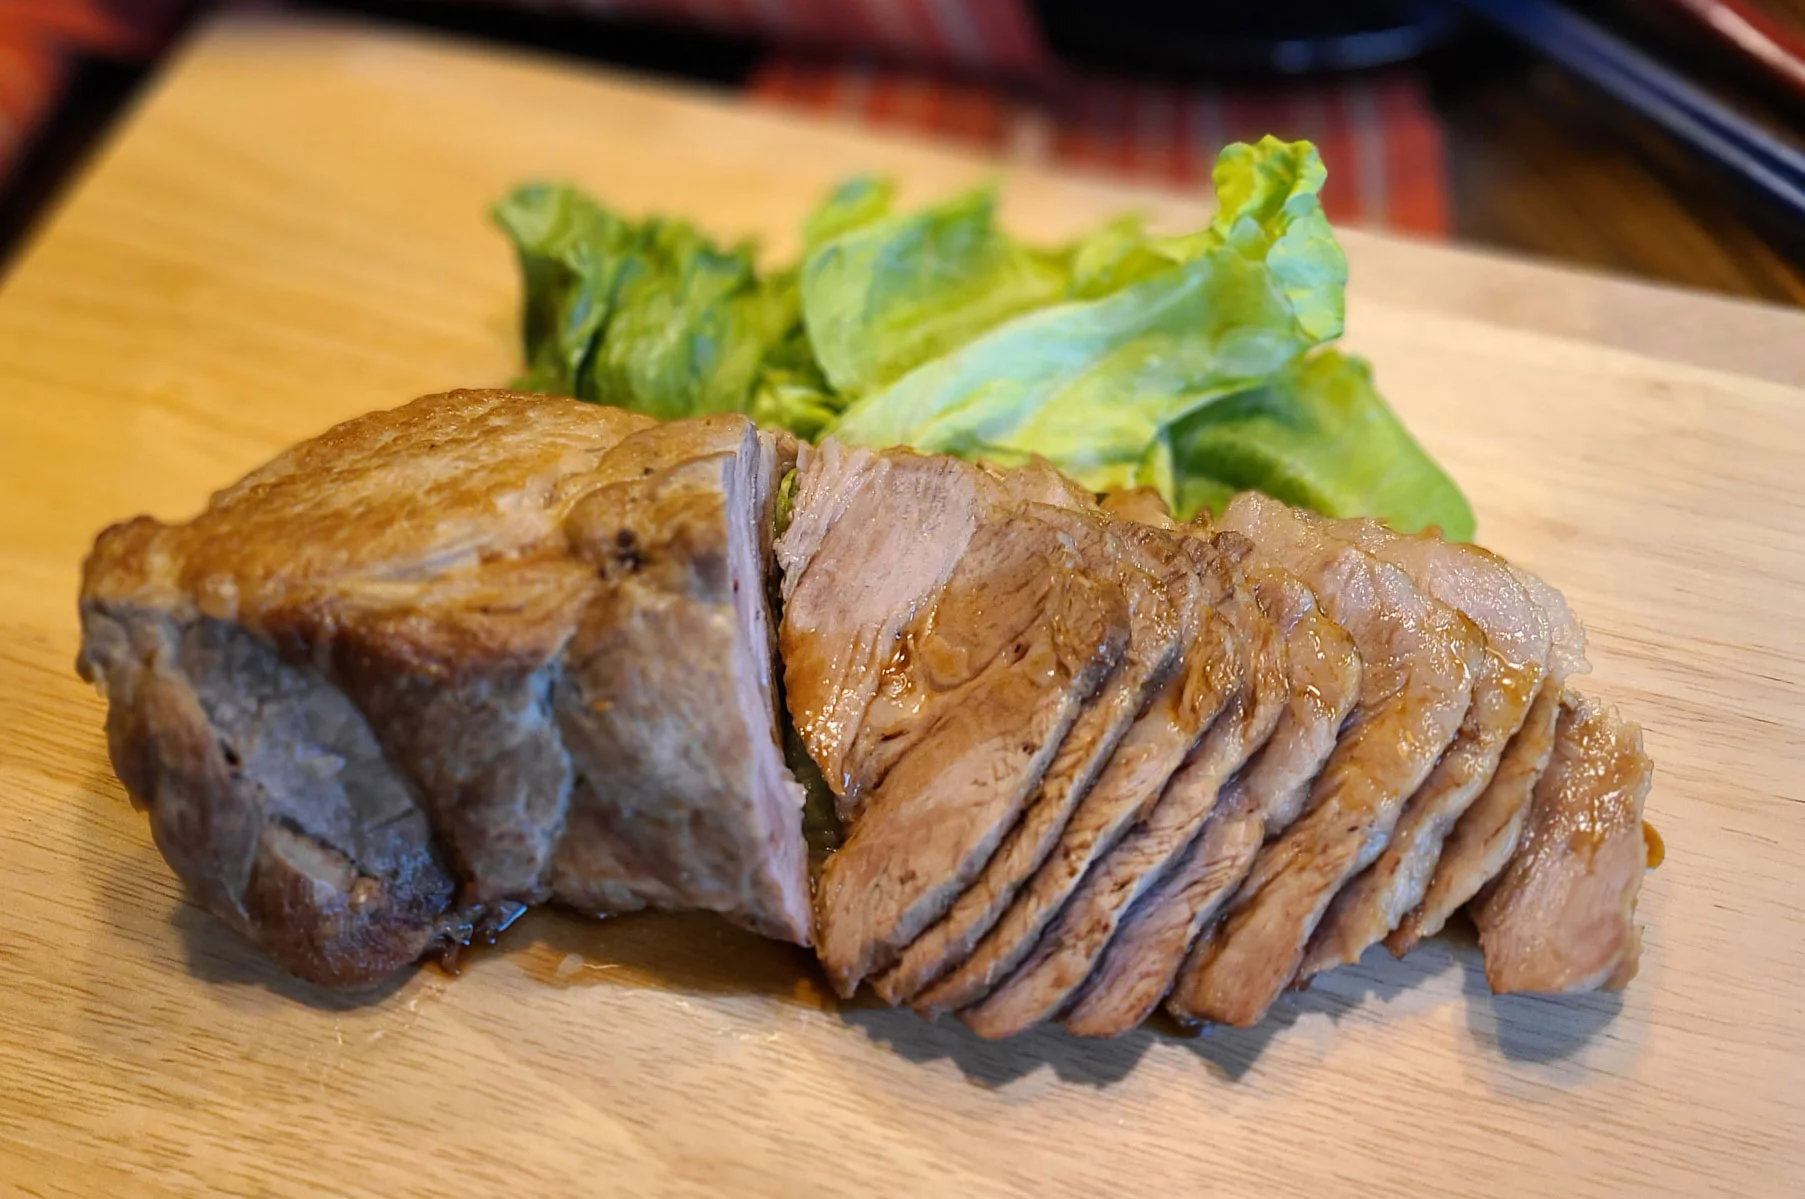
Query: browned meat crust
x,y
390,661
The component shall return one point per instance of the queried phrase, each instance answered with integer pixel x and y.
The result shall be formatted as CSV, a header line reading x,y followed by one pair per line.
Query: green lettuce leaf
x,y
647,315
1317,435
884,292
859,201
1192,363
1091,384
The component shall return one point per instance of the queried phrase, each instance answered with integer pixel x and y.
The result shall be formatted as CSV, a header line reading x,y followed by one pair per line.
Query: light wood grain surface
x,y
290,230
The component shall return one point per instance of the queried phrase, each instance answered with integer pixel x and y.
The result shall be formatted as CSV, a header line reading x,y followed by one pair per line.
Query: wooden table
x,y
290,230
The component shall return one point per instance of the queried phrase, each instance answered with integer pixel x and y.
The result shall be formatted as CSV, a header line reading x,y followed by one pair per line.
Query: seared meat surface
x,y
345,691
665,700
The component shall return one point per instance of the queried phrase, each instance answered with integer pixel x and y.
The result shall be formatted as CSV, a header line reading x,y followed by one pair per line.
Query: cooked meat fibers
x,y
987,679
341,691
1516,636
666,702
1044,983
1562,915
1156,746
1156,582
1418,658
1486,836
1324,681
872,539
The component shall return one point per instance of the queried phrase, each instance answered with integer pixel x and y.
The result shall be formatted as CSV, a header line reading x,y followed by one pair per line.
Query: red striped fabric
x,y
997,37
975,72
971,72
1382,143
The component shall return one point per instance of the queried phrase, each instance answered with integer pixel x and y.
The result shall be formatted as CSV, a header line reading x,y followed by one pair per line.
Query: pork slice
x,y
1157,583
1517,641
665,697
1418,658
873,537
1567,637
1155,746
334,690
1142,959
1561,918
989,679
1071,945
1486,835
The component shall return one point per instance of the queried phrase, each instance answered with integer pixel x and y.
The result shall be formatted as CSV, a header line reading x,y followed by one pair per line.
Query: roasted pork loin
x,y
491,650
479,652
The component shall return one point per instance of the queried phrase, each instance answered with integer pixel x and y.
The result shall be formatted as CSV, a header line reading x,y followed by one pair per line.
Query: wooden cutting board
x,y
290,230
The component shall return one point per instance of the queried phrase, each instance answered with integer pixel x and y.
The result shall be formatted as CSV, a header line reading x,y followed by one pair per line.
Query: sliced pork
x,y
1517,640
872,539
1486,836
490,650
1044,983
1418,658
984,683
1561,916
1323,677
1155,746
1159,586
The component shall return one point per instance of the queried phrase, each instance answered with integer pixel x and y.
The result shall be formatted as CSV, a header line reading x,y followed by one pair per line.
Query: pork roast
x,y
491,650
479,652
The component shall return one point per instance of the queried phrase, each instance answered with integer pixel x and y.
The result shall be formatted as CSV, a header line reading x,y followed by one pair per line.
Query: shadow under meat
x,y
1232,1052
690,953
1535,1028
697,953
218,955
993,1064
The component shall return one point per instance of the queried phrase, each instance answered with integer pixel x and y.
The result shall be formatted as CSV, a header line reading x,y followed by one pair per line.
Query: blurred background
x,y
1655,138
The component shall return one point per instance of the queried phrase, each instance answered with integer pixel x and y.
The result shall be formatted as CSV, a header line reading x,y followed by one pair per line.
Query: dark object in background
x,y
94,94
1246,38
1745,35
1698,120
